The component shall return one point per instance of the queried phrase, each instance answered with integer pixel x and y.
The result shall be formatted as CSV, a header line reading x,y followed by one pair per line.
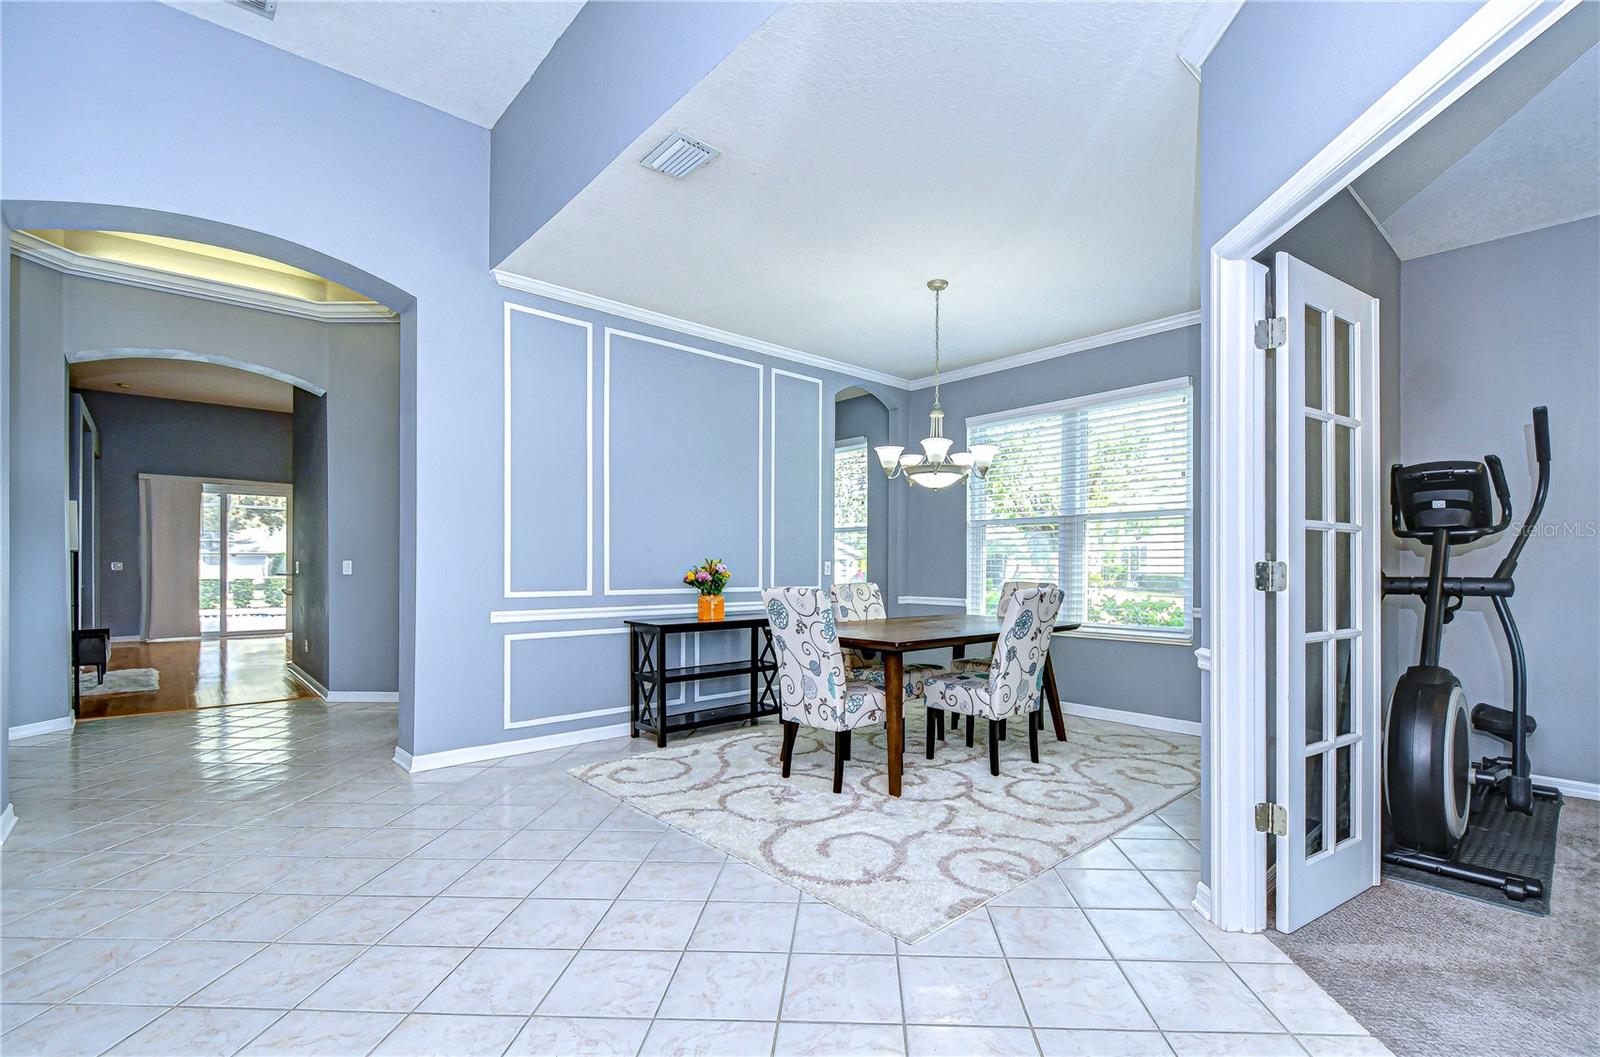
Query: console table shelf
x,y
649,676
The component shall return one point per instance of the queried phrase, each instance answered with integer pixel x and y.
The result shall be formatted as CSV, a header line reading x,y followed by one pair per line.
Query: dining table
x,y
894,637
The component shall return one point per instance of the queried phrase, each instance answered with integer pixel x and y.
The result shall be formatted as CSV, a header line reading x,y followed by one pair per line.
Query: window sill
x,y
1186,640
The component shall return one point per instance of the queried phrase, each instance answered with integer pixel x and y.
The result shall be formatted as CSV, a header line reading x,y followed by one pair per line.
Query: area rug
x,y
119,681
956,839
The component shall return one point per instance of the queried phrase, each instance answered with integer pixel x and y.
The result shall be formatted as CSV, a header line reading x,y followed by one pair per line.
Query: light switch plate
x,y
347,566
116,567
827,568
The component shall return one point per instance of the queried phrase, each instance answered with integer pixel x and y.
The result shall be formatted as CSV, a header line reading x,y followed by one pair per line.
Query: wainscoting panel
x,y
566,676
795,514
549,455
682,465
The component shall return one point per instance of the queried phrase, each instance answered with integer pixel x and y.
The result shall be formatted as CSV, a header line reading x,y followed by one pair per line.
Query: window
x,y
850,511
1093,494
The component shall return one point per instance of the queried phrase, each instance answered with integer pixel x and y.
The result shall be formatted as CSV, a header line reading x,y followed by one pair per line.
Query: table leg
x,y
755,662
894,694
1052,695
633,682
661,689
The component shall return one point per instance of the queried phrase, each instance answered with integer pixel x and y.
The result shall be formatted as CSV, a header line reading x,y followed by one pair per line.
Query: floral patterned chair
x,y
1007,589
1014,683
863,600
813,685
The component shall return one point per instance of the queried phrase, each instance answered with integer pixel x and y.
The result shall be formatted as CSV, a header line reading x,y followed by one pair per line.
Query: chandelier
x,y
937,466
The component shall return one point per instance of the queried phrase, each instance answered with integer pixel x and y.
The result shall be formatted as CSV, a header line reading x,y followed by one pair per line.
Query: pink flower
x,y
723,569
702,576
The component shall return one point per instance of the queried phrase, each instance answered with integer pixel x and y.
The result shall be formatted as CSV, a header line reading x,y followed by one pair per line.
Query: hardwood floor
x,y
204,673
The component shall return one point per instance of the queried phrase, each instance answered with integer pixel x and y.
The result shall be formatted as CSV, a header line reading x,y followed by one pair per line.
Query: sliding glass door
x,y
244,561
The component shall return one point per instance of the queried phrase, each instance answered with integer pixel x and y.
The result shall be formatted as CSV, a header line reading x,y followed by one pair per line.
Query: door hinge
x,y
1270,333
1272,576
1273,819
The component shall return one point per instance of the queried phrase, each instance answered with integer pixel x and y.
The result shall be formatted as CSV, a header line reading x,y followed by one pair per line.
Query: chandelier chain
x,y
936,294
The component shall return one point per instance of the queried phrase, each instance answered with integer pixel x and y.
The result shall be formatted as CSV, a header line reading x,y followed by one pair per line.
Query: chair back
x,y
1011,587
1016,672
811,674
859,600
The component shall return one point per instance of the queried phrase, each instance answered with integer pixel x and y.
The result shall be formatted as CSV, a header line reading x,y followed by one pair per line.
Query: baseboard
x,y
361,697
1581,790
307,680
8,819
48,726
127,638
432,761
1132,719
1202,900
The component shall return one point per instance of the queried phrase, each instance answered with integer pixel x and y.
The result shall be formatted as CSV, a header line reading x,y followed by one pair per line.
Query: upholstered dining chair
x,y
814,687
1007,589
1014,683
863,600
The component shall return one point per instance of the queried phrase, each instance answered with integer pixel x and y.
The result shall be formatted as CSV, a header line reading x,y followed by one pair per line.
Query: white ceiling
x,y
467,59
1041,157
1520,152
204,383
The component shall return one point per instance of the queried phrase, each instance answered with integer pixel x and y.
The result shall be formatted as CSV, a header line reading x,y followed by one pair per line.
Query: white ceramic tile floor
x,y
262,879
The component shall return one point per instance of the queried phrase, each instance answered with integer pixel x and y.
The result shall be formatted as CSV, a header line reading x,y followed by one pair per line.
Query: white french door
x,y
1328,527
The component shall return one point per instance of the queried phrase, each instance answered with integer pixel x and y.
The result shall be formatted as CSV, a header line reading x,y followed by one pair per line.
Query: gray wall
x,y
865,416
1490,331
39,633
6,316
310,560
1158,679
141,434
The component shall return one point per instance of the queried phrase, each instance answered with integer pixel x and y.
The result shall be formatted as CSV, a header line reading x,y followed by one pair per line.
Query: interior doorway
x,y
245,543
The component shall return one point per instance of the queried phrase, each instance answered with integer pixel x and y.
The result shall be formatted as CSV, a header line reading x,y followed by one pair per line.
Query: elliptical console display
x,y
1431,787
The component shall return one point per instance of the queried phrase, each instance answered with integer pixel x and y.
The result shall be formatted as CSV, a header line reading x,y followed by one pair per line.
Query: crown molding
x,y
32,248
1207,31
566,295
1066,348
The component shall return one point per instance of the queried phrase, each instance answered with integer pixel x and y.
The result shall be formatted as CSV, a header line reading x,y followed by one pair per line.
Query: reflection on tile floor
x,y
262,879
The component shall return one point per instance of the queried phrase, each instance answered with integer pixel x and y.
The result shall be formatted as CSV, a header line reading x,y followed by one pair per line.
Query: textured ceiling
x,y
203,383
1519,152
467,59
1039,156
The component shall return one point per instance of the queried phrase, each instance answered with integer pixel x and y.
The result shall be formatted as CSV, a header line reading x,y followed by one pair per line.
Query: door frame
x,y
1235,664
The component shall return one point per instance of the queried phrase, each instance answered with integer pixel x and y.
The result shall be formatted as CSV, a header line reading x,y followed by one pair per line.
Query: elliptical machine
x,y
1431,787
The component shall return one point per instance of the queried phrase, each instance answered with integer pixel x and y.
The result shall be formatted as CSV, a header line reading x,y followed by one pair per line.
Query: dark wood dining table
x,y
894,637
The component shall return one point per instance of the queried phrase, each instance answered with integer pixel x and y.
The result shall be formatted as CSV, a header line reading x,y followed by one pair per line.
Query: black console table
x,y
649,676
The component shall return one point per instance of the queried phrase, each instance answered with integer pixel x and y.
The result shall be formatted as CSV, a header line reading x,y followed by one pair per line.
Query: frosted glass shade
x,y
888,456
936,448
983,454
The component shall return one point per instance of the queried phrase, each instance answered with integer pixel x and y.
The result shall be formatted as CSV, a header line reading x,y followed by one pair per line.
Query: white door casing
x,y
1329,525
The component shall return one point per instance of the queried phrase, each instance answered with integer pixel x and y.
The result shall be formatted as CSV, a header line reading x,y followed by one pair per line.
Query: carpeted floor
x,y
1432,973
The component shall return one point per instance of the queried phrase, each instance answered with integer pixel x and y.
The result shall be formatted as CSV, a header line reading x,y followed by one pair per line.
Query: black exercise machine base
x,y
1501,848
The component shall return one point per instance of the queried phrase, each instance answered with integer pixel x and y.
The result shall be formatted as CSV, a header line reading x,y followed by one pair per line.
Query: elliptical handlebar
x,y
1502,492
1541,490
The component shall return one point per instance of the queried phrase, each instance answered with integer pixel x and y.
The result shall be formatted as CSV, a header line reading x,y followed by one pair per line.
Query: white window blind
x,y
1095,495
850,511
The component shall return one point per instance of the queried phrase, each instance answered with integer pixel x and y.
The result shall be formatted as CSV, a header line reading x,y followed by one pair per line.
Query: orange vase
x,y
711,607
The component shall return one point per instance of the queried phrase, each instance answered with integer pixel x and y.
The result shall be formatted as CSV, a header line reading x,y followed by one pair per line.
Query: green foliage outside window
x,y
241,593
272,592
210,594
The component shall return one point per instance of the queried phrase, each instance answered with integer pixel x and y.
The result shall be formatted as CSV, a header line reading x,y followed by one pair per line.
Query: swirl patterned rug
x,y
958,837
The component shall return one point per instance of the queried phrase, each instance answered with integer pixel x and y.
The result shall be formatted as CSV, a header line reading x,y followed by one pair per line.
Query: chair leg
x,y
841,753
1033,736
932,723
1002,730
844,738
969,732
994,747
937,715
786,754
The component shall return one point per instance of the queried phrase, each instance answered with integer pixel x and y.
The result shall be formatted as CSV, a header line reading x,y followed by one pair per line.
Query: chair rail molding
x,y
79,265
605,460
933,600
587,590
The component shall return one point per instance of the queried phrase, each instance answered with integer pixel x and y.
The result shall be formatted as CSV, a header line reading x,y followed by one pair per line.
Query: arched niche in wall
x,y
864,419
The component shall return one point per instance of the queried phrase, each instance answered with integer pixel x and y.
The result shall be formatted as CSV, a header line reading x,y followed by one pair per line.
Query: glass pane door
x,y
244,559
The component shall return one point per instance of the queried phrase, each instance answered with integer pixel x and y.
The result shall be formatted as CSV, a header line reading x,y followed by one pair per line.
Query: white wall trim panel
x,y
541,721
587,591
513,281
772,454
532,616
67,262
605,473
933,600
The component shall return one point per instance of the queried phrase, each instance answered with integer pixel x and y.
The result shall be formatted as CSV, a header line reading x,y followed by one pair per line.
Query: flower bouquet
x,y
709,578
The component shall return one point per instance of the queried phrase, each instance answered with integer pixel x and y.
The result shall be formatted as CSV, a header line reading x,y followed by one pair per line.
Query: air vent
x,y
265,8
680,155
